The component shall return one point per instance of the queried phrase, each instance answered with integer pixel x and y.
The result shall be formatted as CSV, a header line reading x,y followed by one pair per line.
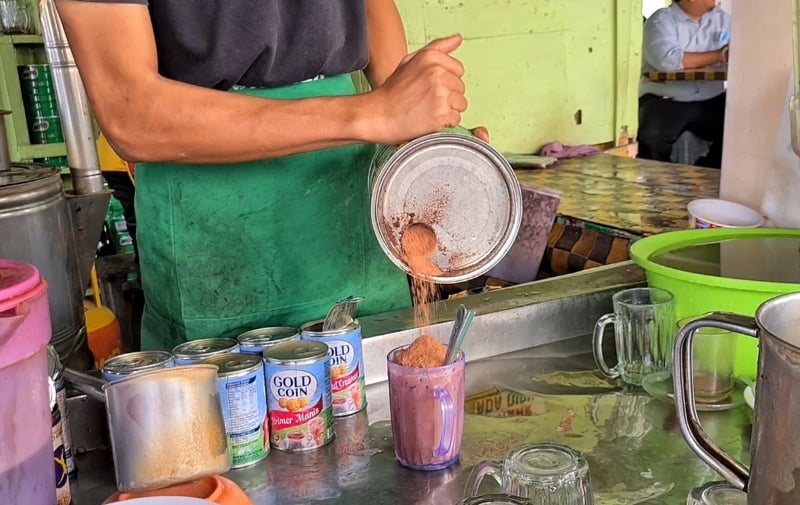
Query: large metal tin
x,y
36,227
462,188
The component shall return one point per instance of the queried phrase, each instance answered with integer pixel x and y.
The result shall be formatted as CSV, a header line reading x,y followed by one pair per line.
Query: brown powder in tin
x,y
419,244
424,352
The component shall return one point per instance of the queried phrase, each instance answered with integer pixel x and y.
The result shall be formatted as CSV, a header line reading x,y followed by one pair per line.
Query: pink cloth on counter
x,y
560,151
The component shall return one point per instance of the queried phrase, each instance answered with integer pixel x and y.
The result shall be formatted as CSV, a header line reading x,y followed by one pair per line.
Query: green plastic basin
x,y
697,293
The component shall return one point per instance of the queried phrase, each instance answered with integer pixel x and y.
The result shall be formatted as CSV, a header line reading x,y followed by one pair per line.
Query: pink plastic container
x,y
27,474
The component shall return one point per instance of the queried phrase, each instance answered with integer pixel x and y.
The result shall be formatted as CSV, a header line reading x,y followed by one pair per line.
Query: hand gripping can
x,y
244,406
347,364
299,395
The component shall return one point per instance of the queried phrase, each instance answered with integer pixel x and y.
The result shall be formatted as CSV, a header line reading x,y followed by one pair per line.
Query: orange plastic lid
x,y
217,489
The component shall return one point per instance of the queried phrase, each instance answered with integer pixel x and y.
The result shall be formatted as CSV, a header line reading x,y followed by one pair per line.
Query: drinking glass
x,y
545,474
713,357
427,413
14,18
716,493
644,329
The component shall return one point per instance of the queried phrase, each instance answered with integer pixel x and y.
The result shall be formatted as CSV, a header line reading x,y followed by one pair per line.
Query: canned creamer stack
x,y
299,395
282,387
259,340
195,351
123,365
244,406
347,364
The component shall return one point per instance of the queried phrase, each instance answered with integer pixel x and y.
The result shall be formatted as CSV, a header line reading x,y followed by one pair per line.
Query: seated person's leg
x,y
709,124
661,121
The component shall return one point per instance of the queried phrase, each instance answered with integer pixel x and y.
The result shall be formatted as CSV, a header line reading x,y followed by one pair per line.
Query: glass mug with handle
x,y
644,331
14,18
544,474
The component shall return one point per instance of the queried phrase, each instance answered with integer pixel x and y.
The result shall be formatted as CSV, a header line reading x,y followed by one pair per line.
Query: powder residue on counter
x,y
419,244
424,352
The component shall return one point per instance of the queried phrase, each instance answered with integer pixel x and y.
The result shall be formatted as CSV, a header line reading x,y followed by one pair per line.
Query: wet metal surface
x,y
550,393
530,378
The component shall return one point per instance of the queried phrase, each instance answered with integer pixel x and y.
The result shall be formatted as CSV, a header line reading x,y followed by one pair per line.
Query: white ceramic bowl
x,y
715,213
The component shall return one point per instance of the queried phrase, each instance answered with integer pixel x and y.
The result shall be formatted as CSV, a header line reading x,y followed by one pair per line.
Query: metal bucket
x,y
459,186
36,228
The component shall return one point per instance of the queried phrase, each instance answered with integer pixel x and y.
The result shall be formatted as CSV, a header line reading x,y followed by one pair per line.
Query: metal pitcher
x,y
774,475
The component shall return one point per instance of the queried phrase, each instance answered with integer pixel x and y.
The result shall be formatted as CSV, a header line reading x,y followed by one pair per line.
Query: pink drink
x,y
427,409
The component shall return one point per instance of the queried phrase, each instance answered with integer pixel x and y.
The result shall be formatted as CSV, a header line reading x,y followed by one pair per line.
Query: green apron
x,y
227,248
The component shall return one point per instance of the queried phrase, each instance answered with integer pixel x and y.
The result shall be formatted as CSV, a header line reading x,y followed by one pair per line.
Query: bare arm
x,y
146,117
387,40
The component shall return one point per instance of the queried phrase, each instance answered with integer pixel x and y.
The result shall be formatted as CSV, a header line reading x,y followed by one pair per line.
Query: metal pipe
x,y
85,383
73,105
5,158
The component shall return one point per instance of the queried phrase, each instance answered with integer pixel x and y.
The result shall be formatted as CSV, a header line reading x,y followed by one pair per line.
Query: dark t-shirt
x,y
264,43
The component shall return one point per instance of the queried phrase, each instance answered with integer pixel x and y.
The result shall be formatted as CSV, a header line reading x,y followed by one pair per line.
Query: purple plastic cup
x,y
427,410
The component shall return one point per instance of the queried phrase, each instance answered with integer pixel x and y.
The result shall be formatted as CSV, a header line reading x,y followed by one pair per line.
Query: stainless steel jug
x,y
774,475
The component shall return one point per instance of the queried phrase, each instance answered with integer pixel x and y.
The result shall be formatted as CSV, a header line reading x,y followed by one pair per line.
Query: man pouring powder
x,y
254,148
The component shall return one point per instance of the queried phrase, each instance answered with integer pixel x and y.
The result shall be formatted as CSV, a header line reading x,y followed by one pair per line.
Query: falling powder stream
x,y
419,244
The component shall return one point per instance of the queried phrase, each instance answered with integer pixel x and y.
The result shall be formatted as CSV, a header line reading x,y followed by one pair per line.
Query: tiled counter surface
x,y
633,196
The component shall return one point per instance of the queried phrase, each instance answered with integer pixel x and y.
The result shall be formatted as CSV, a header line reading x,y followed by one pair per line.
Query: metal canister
x,y
433,181
195,351
260,339
299,395
243,397
63,492
56,373
348,388
129,363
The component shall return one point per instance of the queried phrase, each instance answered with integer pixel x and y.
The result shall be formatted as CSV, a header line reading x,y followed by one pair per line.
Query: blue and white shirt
x,y
670,32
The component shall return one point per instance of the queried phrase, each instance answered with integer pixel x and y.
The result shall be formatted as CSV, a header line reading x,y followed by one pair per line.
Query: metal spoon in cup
x,y
461,326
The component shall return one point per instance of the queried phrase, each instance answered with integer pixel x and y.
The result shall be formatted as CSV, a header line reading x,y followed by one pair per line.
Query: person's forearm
x,y
219,127
700,60
147,117
387,40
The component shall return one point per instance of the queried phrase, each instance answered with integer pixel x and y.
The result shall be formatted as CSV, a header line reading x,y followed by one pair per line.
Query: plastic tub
x,y
697,293
539,210
714,213
26,466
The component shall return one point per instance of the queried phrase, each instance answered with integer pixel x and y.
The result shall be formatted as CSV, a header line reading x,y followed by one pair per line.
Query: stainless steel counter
x,y
547,390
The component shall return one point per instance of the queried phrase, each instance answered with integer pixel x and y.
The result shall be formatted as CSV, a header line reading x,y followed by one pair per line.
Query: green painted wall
x,y
533,66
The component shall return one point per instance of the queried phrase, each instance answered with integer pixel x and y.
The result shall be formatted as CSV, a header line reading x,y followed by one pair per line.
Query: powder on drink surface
x,y
424,352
